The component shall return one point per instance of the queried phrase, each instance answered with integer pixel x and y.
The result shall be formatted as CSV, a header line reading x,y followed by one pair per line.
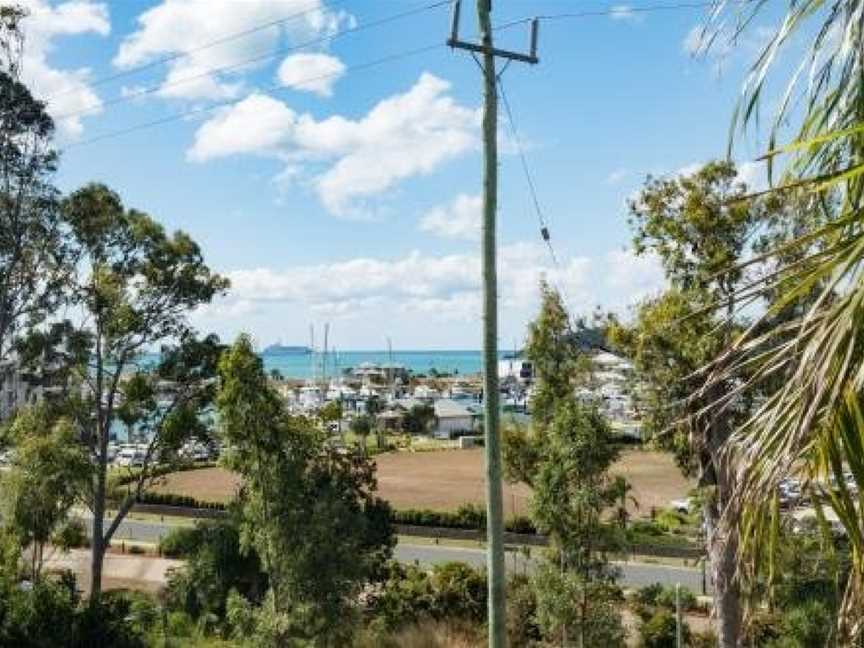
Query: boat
x,y
282,350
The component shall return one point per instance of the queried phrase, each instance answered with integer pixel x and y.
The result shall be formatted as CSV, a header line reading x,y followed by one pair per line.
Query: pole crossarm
x,y
494,51
455,42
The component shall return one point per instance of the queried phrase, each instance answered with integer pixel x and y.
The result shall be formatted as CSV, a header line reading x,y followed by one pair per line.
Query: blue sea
x,y
419,362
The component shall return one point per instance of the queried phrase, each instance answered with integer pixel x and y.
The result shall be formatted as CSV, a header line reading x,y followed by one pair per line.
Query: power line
x,y
529,178
256,59
272,88
532,190
229,102
623,11
194,50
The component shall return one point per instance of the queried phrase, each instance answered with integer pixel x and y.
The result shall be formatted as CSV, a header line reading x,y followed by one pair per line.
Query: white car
x,y
130,457
684,506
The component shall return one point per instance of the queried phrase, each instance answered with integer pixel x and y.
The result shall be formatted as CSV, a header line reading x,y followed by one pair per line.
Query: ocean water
x,y
301,366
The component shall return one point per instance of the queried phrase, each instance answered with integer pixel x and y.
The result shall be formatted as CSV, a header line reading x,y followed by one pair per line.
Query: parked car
x,y
684,506
130,456
789,493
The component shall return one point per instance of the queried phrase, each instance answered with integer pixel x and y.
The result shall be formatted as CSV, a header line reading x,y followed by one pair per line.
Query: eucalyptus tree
x,y
34,256
565,457
309,509
135,286
816,140
44,480
700,227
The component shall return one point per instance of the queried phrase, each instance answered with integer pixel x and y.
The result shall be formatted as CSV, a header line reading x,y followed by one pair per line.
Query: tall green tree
x,y
45,479
565,457
310,509
34,257
700,227
135,286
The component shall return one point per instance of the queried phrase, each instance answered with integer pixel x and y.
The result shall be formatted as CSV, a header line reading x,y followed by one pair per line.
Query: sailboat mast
x,y
324,359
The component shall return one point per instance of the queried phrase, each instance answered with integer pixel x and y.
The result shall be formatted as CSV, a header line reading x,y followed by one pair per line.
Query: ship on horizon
x,y
282,349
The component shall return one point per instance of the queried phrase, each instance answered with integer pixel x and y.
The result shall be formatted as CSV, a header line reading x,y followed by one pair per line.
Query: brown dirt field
x,y
445,479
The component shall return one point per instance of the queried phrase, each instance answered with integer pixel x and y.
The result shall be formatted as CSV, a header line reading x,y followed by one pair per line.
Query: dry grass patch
x,y
443,480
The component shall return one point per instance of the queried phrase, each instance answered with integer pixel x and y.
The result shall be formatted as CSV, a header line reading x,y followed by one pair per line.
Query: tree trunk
x,y
97,550
722,558
722,550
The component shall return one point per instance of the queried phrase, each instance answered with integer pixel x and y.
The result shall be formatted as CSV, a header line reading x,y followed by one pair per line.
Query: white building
x,y
452,417
517,368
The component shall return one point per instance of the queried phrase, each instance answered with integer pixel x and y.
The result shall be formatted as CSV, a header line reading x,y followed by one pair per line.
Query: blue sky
x,y
353,198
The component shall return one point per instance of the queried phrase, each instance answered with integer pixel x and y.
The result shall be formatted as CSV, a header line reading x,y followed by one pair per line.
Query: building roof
x,y
449,408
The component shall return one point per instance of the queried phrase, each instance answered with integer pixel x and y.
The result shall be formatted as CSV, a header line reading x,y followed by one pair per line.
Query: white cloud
x,y
623,12
174,26
406,296
257,125
67,92
314,73
637,276
458,219
403,136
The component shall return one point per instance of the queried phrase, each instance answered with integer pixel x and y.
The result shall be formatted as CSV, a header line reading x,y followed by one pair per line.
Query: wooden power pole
x,y
494,506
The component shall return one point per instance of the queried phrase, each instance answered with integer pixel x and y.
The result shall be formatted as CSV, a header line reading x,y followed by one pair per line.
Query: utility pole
x,y
494,504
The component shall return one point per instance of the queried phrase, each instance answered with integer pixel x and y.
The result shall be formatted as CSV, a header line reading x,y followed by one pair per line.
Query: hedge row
x,y
465,517
172,499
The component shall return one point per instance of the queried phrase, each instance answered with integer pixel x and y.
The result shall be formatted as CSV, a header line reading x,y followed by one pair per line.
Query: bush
x,y
467,516
806,625
180,624
409,595
71,535
522,628
666,599
520,524
648,595
173,499
645,528
670,521
180,542
659,631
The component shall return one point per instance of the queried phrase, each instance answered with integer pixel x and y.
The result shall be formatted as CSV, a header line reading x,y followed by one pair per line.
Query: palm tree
x,y
816,359
620,493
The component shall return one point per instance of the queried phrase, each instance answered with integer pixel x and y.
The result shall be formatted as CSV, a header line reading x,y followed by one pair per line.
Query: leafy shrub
x,y
705,639
137,550
648,595
71,535
646,528
659,631
806,625
410,595
520,524
173,499
180,624
180,542
670,521
522,628
214,568
467,516
666,599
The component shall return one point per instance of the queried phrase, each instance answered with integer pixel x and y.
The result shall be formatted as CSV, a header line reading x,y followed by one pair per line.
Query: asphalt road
x,y
632,574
